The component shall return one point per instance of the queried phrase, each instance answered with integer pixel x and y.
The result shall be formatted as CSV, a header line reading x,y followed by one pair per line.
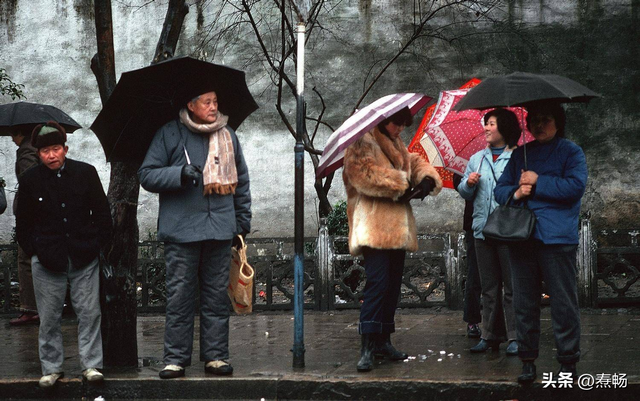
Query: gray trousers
x,y
206,263
51,289
532,262
494,265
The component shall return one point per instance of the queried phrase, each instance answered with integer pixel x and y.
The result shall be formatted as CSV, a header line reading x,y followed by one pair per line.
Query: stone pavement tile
x,y
260,347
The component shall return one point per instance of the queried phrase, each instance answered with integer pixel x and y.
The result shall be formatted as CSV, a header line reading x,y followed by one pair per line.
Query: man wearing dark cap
x,y
63,219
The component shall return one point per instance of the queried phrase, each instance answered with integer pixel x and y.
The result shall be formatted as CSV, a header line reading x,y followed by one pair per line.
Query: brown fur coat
x,y
377,171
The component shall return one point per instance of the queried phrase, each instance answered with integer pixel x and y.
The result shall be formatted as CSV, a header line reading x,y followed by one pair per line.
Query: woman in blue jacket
x,y
483,171
552,186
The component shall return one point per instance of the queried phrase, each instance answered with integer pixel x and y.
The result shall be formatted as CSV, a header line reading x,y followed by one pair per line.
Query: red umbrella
x,y
450,138
361,122
416,147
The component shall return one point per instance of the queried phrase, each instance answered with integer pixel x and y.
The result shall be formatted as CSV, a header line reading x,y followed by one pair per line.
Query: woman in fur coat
x,y
379,173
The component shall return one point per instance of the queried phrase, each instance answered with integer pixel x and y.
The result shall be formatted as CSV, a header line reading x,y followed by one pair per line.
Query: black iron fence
x,y
608,272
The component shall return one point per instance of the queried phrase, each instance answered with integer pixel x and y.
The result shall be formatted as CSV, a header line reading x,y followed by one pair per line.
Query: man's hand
x,y
236,243
474,179
190,173
528,178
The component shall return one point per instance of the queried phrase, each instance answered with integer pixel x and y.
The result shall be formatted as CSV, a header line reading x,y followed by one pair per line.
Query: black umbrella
x,y
521,89
25,116
147,98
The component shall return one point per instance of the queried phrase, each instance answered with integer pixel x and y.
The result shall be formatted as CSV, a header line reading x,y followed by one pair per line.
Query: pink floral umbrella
x,y
451,137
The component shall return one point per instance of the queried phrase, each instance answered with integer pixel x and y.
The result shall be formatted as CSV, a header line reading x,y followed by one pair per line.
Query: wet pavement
x,y
440,366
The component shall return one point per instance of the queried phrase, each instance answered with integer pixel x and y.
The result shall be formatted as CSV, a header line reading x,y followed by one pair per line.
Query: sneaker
x,y
473,331
171,372
25,318
92,375
220,368
48,381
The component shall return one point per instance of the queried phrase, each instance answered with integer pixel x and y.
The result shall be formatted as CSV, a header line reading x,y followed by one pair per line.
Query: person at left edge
x,y
204,203
3,198
62,221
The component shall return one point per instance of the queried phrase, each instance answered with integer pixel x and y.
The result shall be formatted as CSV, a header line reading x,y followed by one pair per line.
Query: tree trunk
x,y
119,314
119,311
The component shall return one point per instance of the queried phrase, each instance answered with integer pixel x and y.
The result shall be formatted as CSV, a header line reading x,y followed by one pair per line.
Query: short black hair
x,y
553,109
508,125
401,117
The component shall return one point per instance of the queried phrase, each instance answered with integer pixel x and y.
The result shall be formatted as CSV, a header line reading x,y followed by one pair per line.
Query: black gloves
x,y
419,191
190,173
407,195
425,187
236,243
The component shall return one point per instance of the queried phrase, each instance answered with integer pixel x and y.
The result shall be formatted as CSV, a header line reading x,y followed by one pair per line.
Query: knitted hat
x,y
48,134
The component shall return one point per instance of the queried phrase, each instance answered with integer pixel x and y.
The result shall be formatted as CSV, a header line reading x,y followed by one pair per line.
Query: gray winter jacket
x,y
186,215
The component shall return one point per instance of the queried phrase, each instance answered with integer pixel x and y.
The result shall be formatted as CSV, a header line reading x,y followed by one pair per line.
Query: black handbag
x,y
510,223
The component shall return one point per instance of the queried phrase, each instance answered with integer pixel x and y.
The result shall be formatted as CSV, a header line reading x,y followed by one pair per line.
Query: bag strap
x,y
242,251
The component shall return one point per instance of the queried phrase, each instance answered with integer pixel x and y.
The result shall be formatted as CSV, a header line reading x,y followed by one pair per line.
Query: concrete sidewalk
x,y
440,365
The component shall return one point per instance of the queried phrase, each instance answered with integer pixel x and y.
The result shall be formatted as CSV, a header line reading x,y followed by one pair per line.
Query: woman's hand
x,y
474,179
528,178
523,191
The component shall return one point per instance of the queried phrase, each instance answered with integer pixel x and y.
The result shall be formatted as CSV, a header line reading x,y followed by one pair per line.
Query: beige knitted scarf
x,y
219,173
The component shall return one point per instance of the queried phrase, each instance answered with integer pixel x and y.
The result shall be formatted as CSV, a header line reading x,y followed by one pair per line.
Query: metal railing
x,y
608,272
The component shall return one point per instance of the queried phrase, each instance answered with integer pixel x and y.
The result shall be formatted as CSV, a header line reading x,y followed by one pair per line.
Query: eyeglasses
x,y
541,118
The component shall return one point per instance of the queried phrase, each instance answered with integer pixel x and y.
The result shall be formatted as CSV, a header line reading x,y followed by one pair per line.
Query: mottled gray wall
x,y
47,45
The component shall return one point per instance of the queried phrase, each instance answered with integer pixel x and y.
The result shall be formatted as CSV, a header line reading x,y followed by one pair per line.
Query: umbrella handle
x,y
524,140
195,183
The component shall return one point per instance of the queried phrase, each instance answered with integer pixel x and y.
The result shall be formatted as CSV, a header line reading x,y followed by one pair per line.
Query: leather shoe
x,y
473,331
171,372
528,373
512,348
568,368
484,345
25,318
220,368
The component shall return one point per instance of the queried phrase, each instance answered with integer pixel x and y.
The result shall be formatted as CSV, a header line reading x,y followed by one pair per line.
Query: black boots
x,y
365,363
528,373
384,348
569,368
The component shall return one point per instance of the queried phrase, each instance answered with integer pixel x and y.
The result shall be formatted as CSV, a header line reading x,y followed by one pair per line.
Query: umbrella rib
x,y
361,124
113,148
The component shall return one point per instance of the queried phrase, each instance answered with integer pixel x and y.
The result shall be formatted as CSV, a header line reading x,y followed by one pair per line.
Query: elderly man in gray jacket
x,y
196,165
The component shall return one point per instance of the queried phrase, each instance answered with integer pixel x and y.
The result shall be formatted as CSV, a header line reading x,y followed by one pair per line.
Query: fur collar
x,y
393,149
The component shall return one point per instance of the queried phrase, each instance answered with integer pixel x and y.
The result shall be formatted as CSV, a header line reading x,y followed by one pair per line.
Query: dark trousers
x,y
383,268
498,319
532,262
472,288
188,264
